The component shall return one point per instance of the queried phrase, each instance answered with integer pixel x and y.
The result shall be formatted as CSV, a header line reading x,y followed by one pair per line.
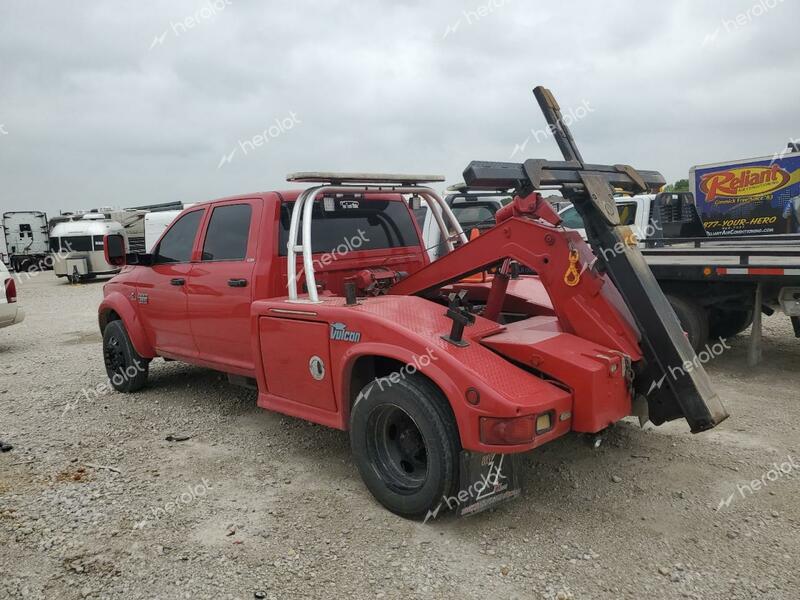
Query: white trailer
x,y
77,247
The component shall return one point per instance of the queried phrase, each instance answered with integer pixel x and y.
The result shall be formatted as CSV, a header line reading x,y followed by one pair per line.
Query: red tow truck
x,y
326,300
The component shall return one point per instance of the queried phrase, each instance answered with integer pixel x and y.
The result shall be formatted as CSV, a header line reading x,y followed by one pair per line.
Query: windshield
x,y
475,213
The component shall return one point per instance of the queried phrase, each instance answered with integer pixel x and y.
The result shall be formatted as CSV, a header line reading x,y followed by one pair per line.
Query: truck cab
x,y
648,216
193,299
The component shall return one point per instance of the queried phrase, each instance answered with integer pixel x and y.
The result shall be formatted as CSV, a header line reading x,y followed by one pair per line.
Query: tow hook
x,y
596,439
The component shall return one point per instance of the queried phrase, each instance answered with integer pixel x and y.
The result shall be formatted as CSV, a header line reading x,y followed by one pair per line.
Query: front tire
x,y
405,444
127,370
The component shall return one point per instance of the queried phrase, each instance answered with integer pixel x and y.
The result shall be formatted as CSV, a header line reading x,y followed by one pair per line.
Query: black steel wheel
x,y
127,370
405,444
397,449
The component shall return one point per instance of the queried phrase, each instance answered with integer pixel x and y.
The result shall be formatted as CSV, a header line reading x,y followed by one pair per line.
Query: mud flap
x,y
486,481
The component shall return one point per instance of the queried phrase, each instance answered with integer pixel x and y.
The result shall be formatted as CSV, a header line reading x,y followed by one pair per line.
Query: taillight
x,y
507,432
11,290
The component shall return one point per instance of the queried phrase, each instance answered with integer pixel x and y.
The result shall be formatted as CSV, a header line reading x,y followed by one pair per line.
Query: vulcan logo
x,y
340,333
744,181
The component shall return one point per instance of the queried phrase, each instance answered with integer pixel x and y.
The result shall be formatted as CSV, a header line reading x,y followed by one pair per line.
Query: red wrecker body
x,y
326,299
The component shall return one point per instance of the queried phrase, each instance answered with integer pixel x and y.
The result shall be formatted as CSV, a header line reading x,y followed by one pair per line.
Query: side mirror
x,y
114,249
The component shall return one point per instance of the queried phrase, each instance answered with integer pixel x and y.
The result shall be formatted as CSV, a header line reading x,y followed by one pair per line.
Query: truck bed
x,y
713,258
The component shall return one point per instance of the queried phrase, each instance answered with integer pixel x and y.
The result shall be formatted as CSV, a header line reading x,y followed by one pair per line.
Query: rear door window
x,y
176,245
228,231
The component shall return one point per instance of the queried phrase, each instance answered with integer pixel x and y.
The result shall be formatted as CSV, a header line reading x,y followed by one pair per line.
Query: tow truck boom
x,y
667,390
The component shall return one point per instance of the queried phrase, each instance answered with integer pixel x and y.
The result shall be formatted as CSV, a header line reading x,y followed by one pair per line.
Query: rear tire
x,y
126,369
728,323
693,319
405,444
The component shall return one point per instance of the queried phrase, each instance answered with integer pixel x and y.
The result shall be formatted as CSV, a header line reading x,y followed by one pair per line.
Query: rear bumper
x,y
10,317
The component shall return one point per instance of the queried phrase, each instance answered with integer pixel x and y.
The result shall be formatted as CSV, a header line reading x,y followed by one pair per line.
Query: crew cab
x,y
326,299
10,311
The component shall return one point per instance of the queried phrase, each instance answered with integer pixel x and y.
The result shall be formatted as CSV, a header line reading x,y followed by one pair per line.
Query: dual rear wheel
x,y
701,323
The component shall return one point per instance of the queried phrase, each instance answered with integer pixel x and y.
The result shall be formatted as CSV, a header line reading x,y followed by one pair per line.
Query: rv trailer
x,y
77,247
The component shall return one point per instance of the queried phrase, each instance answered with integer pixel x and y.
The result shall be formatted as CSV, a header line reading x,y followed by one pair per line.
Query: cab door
x,y
220,289
161,289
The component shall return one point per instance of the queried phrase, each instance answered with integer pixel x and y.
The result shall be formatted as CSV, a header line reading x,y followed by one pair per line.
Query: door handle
x,y
237,282
177,281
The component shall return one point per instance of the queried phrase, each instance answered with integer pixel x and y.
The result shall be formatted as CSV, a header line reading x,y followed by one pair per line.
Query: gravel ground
x,y
266,504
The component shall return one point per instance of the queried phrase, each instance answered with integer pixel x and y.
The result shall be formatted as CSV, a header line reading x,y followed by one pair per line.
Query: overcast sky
x,y
129,103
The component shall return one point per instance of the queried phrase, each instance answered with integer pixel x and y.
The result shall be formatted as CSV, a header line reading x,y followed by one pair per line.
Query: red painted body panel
x,y
595,374
164,312
409,329
287,364
219,315
118,300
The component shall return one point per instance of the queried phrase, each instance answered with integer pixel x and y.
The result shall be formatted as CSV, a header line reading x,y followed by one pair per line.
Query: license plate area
x,y
486,481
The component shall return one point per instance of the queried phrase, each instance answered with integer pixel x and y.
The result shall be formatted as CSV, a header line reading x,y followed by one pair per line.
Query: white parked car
x,y
10,312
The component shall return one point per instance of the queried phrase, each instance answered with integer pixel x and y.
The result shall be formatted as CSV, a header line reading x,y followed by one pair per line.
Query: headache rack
x,y
354,183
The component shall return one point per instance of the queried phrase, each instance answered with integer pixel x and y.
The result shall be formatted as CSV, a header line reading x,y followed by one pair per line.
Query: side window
x,y
227,234
176,245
